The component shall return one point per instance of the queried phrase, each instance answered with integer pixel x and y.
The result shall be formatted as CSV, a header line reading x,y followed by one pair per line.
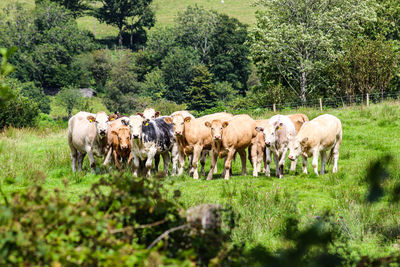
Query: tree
x,y
177,70
5,69
295,40
69,98
132,15
154,85
201,94
365,67
48,39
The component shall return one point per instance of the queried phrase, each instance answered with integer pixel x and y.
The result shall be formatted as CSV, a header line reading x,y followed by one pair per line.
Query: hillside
x,y
166,11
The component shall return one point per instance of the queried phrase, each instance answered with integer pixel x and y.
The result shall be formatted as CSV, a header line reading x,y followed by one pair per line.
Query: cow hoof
x,y
209,178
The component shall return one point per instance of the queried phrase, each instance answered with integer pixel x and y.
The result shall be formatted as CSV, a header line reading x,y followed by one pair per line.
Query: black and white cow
x,y
150,138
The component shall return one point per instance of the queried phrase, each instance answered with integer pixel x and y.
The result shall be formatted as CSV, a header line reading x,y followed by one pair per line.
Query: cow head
x,y
101,121
149,114
217,128
135,125
296,146
178,123
122,138
269,133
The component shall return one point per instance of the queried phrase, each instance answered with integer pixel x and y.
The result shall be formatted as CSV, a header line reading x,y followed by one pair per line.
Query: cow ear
x,y
259,129
168,120
112,117
157,114
91,118
114,132
278,127
125,121
207,124
188,119
225,124
140,114
304,141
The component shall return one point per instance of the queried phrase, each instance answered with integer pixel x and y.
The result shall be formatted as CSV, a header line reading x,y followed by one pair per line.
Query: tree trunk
x,y
120,37
303,84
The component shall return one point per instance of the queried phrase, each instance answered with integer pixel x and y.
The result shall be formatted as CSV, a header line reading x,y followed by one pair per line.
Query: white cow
x,y
87,134
149,114
317,137
277,135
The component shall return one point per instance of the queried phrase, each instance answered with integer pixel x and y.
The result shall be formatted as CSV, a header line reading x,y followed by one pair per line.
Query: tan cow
x,y
317,137
232,136
118,141
193,136
87,134
260,148
298,120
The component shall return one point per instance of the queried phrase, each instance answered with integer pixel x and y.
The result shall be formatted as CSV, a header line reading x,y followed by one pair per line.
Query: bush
x,y
19,112
119,218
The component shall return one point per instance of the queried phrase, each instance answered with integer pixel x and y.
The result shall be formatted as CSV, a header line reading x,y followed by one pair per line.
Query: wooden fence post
x,y
320,104
274,107
367,100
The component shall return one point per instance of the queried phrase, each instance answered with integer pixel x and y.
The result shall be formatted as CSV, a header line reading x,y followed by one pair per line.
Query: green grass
x,y
262,204
166,10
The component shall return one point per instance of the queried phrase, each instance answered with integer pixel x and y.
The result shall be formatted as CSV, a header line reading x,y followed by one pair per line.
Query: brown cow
x,y
193,136
230,137
114,126
121,145
298,120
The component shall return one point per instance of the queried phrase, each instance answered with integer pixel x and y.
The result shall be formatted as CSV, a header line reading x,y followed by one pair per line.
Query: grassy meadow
x,y
261,204
165,10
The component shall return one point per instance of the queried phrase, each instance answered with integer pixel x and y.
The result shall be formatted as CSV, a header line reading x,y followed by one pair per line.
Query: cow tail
x,y
234,156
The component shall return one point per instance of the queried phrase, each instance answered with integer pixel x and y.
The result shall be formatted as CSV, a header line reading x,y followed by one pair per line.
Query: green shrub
x,y
19,112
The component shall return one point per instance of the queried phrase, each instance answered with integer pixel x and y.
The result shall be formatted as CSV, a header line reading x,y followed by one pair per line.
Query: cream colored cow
x,y
316,137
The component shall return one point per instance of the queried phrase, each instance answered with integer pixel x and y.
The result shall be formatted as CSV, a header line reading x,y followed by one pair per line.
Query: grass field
x,y
166,10
262,204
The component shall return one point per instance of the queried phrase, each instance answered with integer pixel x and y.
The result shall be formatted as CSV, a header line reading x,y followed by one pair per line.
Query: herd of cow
x,y
140,139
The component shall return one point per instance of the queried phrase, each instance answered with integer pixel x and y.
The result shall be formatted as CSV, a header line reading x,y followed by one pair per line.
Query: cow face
x,y
135,125
149,114
124,138
269,135
217,128
101,121
296,146
178,123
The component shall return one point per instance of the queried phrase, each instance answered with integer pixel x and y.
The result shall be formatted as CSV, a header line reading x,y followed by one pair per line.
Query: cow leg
x,y
91,160
335,152
228,162
156,162
108,157
74,156
323,161
260,157
214,158
175,158
136,165
267,161
256,157
166,159
149,163
181,158
242,154
196,154
282,162
81,156
276,160
315,161
190,159
293,165
304,164
203,161
116,160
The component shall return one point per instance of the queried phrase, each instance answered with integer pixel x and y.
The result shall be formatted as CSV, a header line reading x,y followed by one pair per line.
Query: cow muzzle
x,y
178,133
124,147
268,144
217,137
135,136
291,157
103,133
